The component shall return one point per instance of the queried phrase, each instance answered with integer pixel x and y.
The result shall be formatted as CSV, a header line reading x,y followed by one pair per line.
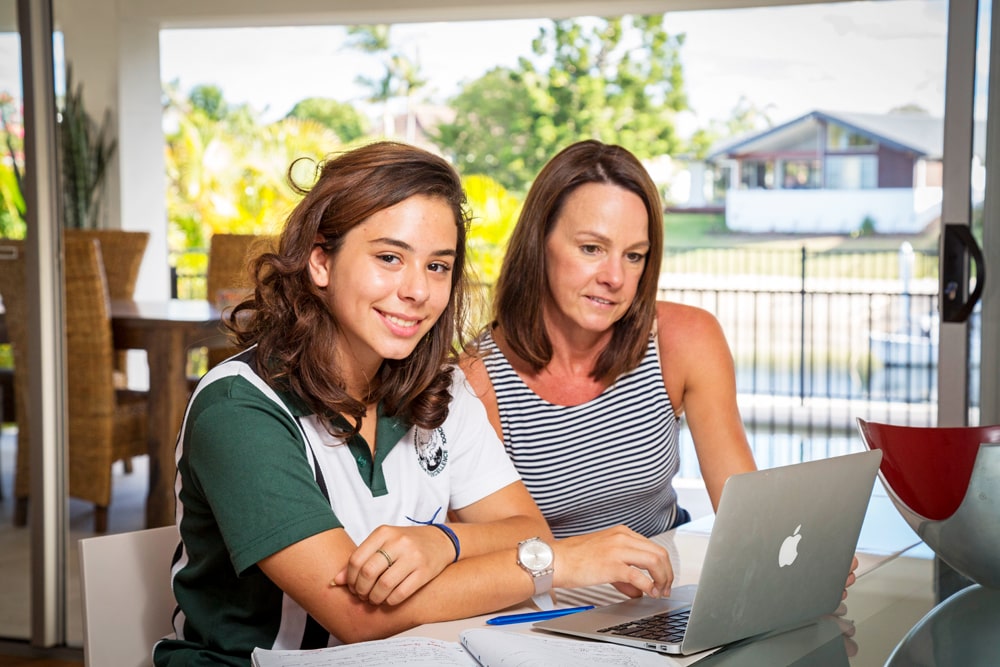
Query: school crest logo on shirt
x,y
431,451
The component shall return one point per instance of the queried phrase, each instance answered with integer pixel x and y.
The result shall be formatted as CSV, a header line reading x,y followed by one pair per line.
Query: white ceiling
x,y
234,13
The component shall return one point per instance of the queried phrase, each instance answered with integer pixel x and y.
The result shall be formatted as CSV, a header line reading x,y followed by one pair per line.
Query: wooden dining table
x,y
166,330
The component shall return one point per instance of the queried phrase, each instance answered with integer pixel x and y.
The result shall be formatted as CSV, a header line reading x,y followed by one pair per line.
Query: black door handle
x,y
955,305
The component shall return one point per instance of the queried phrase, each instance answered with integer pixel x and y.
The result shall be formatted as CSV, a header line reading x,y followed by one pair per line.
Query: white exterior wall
x,y
894,210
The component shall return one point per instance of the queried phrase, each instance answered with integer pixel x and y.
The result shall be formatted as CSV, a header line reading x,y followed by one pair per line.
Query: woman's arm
x,y
701,381
700,378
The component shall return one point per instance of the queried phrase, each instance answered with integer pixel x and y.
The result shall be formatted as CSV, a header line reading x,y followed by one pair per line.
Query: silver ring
x,y
388,558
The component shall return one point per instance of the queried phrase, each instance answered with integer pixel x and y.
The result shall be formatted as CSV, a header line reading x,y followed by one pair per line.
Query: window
x,y
839,138
721,179
851,172
800,174
756,174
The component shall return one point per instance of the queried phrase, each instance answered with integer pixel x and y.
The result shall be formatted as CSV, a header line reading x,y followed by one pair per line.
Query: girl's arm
x,y
420,553
308,571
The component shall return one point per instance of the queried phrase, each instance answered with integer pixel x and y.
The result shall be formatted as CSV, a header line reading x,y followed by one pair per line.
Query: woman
x,y
584,374
315,469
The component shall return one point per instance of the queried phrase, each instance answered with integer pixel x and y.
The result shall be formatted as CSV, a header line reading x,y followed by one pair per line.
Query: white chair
x,y
127,599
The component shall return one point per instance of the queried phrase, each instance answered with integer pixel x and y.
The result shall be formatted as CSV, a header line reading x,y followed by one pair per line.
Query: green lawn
x,y
709,230
701,240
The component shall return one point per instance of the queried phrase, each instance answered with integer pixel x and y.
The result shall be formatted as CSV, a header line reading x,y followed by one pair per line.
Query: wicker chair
x,y
122,252
228,277
105,424
12,291
228,257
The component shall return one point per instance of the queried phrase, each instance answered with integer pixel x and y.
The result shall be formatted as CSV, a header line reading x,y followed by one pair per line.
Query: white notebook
x,y
487,647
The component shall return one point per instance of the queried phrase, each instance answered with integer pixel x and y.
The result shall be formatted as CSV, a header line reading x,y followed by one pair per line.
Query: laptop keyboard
x,y
665,627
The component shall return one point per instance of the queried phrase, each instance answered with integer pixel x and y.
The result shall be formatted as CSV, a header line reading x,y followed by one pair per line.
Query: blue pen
x,y
535,615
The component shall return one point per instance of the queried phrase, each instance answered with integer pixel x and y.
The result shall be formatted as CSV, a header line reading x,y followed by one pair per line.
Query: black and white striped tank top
x,y
605,462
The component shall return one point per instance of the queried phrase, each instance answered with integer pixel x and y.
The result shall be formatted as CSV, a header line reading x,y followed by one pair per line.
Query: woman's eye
x,y
636,257
440,267
388,259
590,249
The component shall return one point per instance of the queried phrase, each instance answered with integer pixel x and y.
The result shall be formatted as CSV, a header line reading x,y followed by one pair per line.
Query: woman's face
x,y
595,255
390,281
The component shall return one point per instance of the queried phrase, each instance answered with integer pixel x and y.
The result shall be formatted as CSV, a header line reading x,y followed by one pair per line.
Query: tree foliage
x,y
341,117
617,79
12,206
494,117
494,213
230,174
209,100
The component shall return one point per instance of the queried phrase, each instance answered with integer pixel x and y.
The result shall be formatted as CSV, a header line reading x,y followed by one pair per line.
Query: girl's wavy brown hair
x,y
287,316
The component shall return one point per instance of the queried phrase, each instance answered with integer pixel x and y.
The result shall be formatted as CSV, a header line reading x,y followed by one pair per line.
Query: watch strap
x,y
543,582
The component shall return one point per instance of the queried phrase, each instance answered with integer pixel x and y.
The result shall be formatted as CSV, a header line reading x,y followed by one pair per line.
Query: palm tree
x,y
401,76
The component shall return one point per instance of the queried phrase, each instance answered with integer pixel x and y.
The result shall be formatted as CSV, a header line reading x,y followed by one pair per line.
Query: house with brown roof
x,y
836,173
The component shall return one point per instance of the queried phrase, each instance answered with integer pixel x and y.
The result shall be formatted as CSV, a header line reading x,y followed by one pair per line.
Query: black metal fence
x,y
819,339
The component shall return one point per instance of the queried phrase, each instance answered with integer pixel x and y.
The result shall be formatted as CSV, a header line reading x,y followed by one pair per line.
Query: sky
x,y
854,56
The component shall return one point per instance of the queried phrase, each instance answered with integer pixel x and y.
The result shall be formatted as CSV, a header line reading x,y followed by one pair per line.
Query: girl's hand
x,y
394,562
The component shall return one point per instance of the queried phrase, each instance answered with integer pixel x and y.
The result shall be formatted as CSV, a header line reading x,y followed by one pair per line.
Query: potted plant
x,y
86,149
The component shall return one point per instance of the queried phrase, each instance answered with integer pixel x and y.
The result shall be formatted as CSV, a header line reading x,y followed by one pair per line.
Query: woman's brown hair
x,y
522,287
287,316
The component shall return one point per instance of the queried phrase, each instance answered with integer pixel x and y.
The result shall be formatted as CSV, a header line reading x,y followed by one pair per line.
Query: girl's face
x,y
595,256
389,282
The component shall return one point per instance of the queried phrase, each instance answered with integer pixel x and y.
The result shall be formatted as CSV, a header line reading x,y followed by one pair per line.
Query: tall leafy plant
x,y
86,149
12,206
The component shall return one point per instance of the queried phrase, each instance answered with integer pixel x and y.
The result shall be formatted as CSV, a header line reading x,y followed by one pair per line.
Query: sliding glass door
x,y
968,331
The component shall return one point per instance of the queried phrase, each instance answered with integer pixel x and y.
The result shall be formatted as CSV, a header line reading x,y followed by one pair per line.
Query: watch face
x,y
536,555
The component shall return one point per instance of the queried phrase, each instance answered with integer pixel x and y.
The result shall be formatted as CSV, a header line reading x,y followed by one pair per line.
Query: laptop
x,y
778,557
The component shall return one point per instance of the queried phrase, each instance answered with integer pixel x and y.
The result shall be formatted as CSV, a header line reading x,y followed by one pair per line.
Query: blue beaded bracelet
x,y
451,536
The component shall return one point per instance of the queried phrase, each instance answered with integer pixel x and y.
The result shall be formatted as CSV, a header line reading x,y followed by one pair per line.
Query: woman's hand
x,y
851,577
394,562
617,555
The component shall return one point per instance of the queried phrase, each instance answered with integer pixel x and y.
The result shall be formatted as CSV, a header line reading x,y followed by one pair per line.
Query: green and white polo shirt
x,y
257,473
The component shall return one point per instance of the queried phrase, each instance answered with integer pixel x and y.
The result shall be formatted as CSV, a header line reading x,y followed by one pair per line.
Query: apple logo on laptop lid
x,y
789,548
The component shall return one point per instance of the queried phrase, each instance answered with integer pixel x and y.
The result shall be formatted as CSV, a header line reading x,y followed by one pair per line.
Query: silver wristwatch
x,y
536,558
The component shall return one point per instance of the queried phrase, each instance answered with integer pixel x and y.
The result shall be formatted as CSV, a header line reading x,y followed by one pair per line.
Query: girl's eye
x,y
440,267
388,259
